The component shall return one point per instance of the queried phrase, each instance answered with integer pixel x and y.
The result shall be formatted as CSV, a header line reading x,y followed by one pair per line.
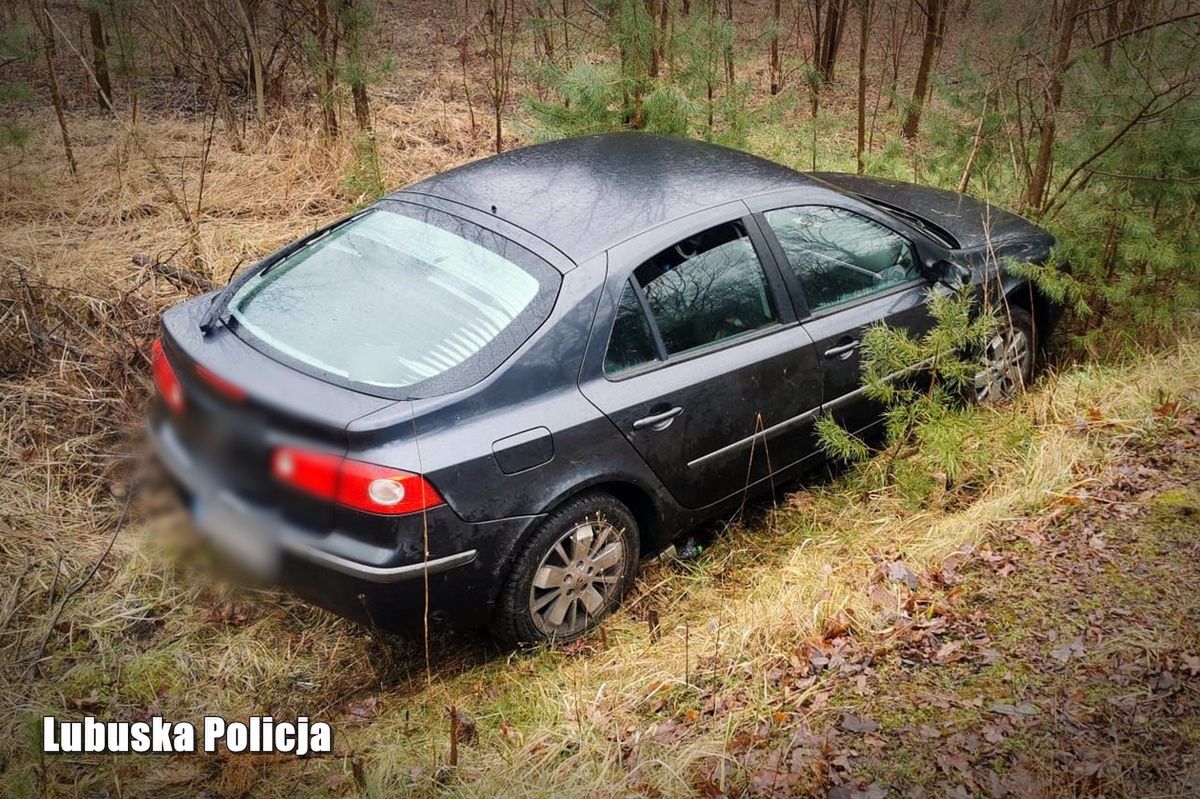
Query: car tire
x,y
573,572
1009,359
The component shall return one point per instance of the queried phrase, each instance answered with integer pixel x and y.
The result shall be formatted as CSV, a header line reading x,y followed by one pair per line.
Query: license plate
x,y
244,534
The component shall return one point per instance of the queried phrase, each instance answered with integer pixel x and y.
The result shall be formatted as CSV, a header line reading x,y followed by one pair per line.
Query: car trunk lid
x,y
241,404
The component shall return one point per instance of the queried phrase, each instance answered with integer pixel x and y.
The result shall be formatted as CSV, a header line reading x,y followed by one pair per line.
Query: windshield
x,y
392,300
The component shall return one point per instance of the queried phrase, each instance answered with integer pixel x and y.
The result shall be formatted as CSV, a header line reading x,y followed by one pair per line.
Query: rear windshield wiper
x,y
220,303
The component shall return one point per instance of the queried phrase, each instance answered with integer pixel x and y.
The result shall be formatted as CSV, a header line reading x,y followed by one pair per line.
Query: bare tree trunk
x,y
776,69
499,33
817,38
729,44
652,13
566,26
358,73
1111,20
327,45
664,22
864,14
933,12
209,47
899,35
56,95
1036,192
100,59
545,36
41,16
831,38
260,102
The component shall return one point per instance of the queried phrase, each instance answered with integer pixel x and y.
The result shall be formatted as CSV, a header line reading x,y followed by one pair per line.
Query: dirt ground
x,y
1060,656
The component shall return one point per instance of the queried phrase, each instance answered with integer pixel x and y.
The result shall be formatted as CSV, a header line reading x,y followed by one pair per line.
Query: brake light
x,y
354,484
165,379
221,385
313,473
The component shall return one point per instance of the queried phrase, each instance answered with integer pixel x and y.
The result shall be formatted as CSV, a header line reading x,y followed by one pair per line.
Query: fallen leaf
x,y
363,710
897,572
339,783
853,723
1167,409
1068,650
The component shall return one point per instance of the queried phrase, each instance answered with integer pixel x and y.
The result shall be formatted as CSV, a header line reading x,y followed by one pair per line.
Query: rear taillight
x,y
165,379
313,473
355,484
378,489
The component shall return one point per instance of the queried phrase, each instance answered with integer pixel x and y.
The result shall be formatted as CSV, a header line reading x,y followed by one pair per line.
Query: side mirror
x,y
947,273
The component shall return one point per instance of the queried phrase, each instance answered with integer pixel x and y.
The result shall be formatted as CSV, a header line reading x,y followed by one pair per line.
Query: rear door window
x,y
707,289
400,297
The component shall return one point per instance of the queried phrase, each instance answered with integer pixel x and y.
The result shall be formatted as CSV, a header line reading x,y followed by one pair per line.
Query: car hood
x,y
972,223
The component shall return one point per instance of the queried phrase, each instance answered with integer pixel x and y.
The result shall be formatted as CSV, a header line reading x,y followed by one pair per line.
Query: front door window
x,y
838,256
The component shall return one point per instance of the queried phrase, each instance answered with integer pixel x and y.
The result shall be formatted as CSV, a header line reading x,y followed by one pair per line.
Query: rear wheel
x,y
571,574
1008,359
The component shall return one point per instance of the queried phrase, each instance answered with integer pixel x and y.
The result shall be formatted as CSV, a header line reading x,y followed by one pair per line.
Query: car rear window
x,y
399,297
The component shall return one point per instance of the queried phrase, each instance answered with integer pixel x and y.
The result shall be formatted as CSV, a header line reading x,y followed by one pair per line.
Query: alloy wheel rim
x,y
577,579
1007,359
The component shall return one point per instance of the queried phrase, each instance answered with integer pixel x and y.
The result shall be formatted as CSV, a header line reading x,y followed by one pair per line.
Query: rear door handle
x,y
843,351
658,421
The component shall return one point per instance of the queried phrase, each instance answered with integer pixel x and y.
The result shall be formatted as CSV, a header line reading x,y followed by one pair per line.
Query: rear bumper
x,y
354,578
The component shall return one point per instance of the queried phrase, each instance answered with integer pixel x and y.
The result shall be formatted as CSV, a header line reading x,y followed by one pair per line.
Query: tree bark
x,y
664,22
327,45
864,14
652,14
256,69
933,12
499,31
356,57
776,66
831,38
729,44
1112,17
1036,192
100,59
42,14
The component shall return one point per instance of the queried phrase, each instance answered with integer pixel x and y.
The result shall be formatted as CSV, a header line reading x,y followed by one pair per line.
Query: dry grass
x,y
146,636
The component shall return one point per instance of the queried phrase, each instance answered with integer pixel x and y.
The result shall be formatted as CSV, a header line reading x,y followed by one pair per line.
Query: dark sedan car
x,y
489,394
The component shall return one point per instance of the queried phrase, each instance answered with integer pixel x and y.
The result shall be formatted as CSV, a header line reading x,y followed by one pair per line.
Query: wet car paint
x,y
548,423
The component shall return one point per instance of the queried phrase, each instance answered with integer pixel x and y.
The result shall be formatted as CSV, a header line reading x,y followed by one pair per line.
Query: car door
x,y
699,361
848,270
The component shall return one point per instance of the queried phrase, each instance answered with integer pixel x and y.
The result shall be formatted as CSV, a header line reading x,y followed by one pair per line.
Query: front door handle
x,y
843,351
658,421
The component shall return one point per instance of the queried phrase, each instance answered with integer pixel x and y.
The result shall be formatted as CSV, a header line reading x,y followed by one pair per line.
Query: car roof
x,y
586,194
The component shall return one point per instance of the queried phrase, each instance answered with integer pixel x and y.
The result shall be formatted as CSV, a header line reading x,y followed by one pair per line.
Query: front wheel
x,y
572,573
1008,359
